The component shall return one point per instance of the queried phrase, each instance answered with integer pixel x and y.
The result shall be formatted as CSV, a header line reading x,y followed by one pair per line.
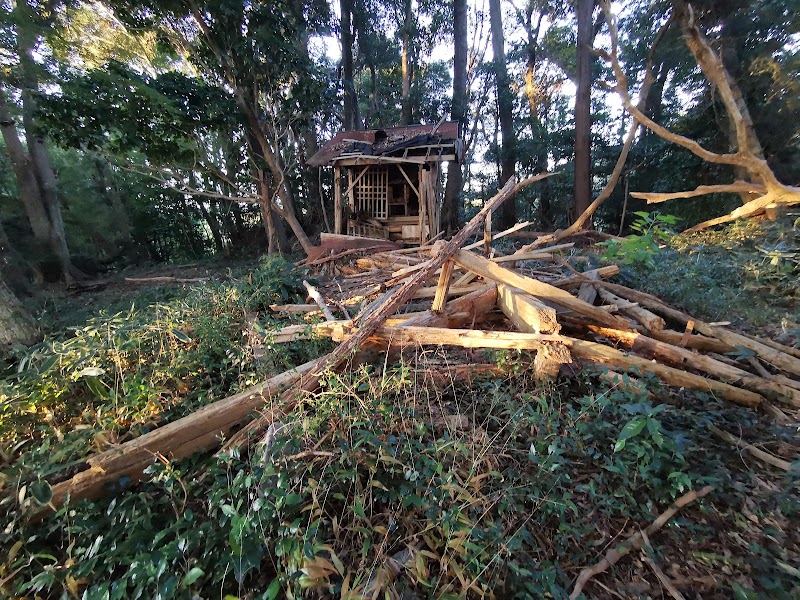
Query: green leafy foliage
x,y
640,249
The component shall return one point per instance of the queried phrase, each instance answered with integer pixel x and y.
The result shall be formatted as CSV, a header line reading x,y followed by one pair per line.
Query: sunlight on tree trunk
x,y
505,103
583,110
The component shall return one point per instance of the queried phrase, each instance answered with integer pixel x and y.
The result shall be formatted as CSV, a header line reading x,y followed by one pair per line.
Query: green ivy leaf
x,y
41,492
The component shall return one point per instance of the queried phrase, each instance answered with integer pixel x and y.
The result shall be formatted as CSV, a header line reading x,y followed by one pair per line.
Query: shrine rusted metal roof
x,y
444,138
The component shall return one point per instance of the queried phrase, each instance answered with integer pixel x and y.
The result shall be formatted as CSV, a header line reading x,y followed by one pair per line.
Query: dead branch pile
x,y
446,294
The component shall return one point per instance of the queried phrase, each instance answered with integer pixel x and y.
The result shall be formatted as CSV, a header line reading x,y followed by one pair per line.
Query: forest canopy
x,y
167,130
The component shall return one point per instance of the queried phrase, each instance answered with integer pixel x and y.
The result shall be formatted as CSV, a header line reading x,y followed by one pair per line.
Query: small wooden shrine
x,y
387,182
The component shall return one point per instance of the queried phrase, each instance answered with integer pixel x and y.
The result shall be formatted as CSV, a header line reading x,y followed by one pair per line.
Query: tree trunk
x,y
213,225
538,128
110,193
346,38
458,112
583,109
29,191
405,66
505,103
40,158
17,326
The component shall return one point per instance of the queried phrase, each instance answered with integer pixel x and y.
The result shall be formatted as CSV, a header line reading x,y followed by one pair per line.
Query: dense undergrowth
x,y
384,483
746,272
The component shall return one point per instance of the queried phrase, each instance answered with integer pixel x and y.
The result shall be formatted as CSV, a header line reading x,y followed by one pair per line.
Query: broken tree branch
x,y
635,541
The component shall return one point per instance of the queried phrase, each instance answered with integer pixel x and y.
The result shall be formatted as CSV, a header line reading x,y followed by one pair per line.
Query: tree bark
x,y
508,211
346,39
405,65
29,191
17,326
583,108
40,158
537,119
458,112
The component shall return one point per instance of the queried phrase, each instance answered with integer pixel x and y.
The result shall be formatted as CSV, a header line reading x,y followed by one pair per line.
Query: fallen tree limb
x,y
121,466
314,294
761,455
774,357
592,351
165,279
635,541
647,319
681,357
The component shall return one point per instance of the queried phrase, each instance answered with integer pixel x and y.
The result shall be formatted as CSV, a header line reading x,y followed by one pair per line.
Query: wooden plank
x,y
444,284
465,311
588,292
526,312
489,270
348,242
414,188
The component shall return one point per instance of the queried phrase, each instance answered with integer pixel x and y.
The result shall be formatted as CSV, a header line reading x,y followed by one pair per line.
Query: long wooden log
x,y
698,342
774,357
540,289
568,283
119,467
650,321
592,351
681,357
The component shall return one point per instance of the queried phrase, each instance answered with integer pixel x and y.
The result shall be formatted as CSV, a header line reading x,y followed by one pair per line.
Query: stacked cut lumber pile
x,y
456,294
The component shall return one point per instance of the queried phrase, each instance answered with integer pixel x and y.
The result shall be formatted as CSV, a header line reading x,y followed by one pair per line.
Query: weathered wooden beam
x,y
489,270
683,358
648,320
444,284
526,312
338,209
769,354
592,351
568,283
201,430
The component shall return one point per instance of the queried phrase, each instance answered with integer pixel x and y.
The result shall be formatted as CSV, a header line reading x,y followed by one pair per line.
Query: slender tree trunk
x,y
458,112
505,103
346,38
110,194
537,120
583,108
213,225
17,326
406,114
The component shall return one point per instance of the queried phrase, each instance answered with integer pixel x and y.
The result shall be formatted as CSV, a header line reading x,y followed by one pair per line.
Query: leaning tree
x,y
748,157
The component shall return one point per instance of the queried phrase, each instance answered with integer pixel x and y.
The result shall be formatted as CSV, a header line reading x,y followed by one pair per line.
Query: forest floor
x,y
385,479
